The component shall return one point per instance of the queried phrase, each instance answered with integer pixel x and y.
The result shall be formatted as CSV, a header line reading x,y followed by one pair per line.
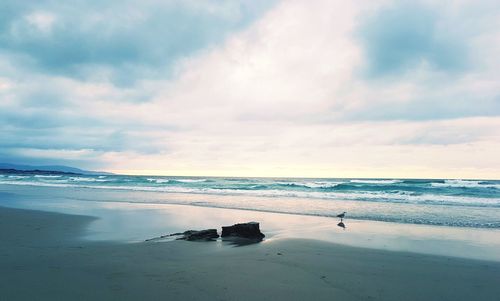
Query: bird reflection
x,y
341,225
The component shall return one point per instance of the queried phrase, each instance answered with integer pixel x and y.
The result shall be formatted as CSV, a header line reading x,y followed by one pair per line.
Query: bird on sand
x,y
342,215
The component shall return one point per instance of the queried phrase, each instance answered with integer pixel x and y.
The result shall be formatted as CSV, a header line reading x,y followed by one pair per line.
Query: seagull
x,y
342,215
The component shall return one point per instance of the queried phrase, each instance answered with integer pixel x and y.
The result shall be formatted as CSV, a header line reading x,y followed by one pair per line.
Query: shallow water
x,y
127,221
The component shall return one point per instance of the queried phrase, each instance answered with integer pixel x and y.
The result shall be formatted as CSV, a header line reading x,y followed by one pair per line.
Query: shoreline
x,y
196,199
427,208
121,221
43,256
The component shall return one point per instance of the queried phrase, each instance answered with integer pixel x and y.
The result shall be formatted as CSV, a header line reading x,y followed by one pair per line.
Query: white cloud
x,y
42,21
5,84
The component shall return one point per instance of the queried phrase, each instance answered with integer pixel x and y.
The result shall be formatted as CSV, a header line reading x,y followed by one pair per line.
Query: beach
x,y
44,256
250,150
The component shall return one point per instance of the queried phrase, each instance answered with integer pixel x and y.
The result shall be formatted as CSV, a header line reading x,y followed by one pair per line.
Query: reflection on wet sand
x,y
135,222
341,225
240,241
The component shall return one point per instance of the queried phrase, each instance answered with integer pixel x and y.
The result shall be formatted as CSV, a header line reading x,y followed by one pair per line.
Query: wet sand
x,y
42,257
125,216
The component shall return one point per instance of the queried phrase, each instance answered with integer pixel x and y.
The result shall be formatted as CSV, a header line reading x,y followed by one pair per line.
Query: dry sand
x,y
43,258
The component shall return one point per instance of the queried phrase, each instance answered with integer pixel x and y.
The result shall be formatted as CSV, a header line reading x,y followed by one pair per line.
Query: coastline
x,y
134,217
43,257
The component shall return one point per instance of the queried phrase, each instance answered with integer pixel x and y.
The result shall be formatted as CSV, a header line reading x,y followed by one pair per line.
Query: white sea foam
x,y
323,184
47,176
382,182
465,184
81,179
18,177
317,184
158,181
161,180
37,183
190,180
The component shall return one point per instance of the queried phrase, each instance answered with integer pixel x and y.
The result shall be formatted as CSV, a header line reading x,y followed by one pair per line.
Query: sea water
x,y
445,202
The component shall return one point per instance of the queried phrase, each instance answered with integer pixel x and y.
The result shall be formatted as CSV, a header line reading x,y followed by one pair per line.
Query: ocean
x,y
455,203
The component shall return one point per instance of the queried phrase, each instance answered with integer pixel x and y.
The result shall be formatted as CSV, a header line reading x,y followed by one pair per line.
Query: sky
x,y
320,88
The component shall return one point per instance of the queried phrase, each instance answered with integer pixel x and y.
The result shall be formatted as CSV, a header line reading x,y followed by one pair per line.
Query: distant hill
x,y
50,168
4,171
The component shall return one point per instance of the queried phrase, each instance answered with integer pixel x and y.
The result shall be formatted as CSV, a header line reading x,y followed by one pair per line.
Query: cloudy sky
x,y
253,88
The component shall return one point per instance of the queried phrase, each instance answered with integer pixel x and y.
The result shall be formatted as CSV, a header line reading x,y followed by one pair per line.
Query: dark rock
x,y
246,230
191,235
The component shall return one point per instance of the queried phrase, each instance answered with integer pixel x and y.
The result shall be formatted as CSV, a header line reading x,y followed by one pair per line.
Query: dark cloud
x,y
125,39
90,138
403,36
13,158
